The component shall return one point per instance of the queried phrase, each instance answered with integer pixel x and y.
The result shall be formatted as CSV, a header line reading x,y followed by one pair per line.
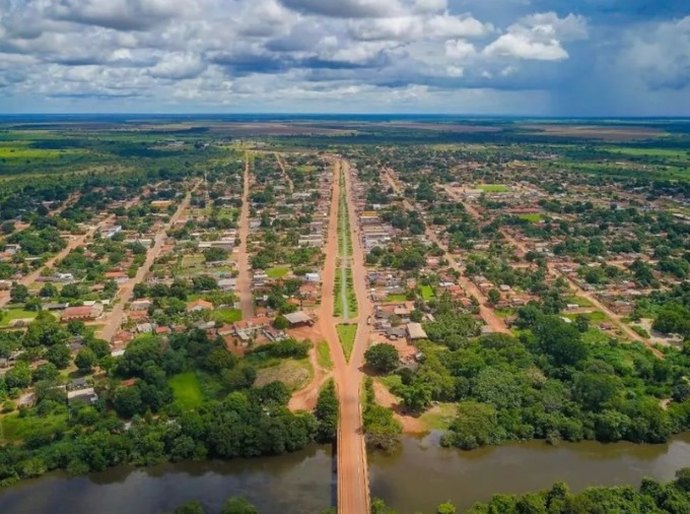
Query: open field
x,y
295,374
8,316
186,390
493,188
226,315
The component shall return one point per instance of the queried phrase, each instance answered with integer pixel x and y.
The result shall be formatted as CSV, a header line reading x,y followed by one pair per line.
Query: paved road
x,y
126,292
487,313
244,280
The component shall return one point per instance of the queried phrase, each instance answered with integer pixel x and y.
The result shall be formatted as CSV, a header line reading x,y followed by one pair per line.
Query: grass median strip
x,y
346,334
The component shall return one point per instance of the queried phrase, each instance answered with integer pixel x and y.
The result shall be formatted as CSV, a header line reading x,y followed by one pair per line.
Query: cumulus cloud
x,y
171,54
661,55
539,37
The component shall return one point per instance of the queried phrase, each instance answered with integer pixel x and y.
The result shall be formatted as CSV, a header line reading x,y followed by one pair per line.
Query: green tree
x,y
382,357
238,505
85,359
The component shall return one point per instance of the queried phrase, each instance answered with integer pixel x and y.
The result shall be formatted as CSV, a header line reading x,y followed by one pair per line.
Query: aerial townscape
x,y
209,307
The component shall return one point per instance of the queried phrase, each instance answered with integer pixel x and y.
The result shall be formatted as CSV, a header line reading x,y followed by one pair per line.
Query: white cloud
x,y
539,37
459,49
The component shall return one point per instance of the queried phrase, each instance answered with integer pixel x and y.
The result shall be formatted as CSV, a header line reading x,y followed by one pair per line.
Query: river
x,y
417,478
422,474
301,482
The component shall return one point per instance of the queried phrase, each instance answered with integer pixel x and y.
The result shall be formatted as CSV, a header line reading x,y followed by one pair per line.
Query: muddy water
x,y
417,478
298,483
423,474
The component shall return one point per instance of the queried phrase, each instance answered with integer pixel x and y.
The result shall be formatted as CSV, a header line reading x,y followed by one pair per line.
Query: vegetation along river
x,y
416,478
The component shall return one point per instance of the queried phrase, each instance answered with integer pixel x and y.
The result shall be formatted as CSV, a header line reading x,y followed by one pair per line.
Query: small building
x,y
199,305
299,318
415,331
82,313
88,395
142,304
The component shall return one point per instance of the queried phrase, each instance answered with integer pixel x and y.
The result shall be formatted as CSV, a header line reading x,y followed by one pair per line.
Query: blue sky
x,y
529,57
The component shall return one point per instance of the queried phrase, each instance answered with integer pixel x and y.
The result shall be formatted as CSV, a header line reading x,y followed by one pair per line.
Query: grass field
x,y
493,188
295,374
226,315
277,271
649,152
186,390
427,292
578,300
396,298
14,428
323,355
6,317
346,334
439,417
534,217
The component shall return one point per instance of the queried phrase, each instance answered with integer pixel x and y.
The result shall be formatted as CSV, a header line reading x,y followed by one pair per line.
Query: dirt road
x,y
126,292
281,164
73,243
244,281
487,313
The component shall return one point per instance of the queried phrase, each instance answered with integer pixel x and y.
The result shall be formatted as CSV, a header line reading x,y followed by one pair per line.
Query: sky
x,y
494,57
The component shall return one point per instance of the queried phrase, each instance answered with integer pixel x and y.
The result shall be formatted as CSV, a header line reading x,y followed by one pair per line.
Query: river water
x,y
417,478
301,482
423,474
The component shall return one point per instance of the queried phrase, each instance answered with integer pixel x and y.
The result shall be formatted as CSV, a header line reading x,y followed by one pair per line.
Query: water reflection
x,y
422,474
298,483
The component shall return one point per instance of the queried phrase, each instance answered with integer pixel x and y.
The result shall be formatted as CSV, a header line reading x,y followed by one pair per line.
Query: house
x,y
87,394
415,331
142,304
199,305
82,313
245,328
227,284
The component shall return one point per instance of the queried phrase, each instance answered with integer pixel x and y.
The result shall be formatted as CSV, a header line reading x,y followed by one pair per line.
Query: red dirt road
x,y
244,281
125,293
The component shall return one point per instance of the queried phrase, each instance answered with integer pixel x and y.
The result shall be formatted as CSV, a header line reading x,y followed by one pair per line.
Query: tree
x,y
192,507
560,341
238,505
326,412
581,323
19,376
85,359
281,322
127,401
48,290
382,357
494,296
59,355
19,293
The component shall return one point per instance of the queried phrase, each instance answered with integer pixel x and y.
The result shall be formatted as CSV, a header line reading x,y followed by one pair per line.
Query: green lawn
x,y
226,315
14,429
323,355
10,315
186,390
534,217
277,271
493,188
346,334
396,298
427,292
578,300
